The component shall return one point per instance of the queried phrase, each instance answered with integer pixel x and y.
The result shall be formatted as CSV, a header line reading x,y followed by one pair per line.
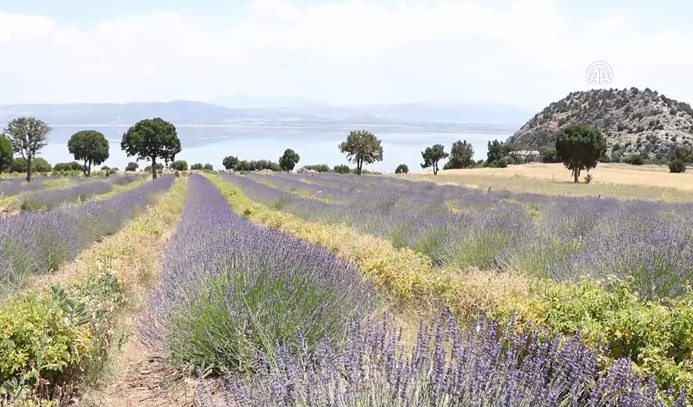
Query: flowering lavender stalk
x,y
484,366
54,197
230,289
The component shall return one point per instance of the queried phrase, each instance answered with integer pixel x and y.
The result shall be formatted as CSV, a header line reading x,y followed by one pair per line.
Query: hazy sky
x,y
524,52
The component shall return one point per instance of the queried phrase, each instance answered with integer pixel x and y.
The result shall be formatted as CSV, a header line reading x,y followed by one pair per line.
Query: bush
x,y
677,166
131,167
634,159
179,165
588,179
342,169
71,166
208,168
605,159
502,163
402,169
197,167
316,168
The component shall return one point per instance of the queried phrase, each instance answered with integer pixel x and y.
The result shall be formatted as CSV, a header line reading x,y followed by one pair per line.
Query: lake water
x,y
210,144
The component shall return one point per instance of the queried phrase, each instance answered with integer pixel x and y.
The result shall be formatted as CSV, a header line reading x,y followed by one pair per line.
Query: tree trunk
x,y
576,175
359,164
435,168
84,169
153,167
28,169
89,170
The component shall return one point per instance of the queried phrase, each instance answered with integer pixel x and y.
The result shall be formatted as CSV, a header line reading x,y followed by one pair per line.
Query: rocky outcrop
x,y
526,156
632,121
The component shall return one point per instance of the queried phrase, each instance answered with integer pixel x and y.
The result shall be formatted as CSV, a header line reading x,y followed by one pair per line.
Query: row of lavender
x,y
80,192
231,291
38,242
560,237
287,322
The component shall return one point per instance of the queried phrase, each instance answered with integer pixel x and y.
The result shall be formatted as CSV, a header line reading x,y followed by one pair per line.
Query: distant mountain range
x,y
199,113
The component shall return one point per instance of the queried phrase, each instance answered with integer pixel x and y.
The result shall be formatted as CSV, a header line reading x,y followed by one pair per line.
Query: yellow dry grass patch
x,y
617,180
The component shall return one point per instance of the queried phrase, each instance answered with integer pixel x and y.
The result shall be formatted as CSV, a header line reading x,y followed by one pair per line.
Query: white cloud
x,y
524,52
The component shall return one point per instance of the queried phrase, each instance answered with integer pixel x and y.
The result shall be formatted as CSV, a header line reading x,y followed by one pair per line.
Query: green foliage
x,y
89,146
432,155
18,165
41,165
342,169
28,136
6,153
605,159
131,167
361,147
684,153
244,165
288,160
496,151
658,337
230,162
47,338
502,163
68,167
316,168
461,155
159,168
588,178
152,139
634,159
677,166
179,165
197,167
402,169
580,148
208,167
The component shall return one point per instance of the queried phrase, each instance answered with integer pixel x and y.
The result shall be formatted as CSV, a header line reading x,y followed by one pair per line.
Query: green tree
x,y
495,151
150,139
684,153
677,165
230,162
179,165
580,147
41,165
197,166
132,167
402,169
461,155
89,146
342,169
28,136
6,153
361,147
18,165
432,155
208,167
289,160
71,166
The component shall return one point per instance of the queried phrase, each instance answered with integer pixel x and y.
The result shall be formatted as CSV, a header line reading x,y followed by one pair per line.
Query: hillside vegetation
x,y
632,120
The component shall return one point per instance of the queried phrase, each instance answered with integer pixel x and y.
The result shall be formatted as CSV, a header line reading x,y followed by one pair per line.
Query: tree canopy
x,y
289,160
89,146
361,147
579,148
230,162
6,153
197,167
28,136
71,166
151,139
132,167
432,155
461,155
179,165
402,169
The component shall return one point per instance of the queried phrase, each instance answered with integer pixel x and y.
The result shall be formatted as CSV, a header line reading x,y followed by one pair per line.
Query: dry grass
x,y
617,180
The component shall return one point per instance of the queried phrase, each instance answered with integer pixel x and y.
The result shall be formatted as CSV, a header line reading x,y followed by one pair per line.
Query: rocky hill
x,y
632,120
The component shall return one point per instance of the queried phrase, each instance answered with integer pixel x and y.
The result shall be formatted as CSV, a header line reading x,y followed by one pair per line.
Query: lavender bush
x,y
38,242
565,238
230,289
484,366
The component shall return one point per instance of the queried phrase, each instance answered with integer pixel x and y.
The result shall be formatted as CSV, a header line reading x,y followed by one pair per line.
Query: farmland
x,y
326,289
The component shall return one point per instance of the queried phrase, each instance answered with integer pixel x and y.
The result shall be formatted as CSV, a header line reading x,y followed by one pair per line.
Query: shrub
x,y
588,179
605,159
208,168
502,163
131,167
342,169
677,166
316,168
634,159
179,165
71,166
402,169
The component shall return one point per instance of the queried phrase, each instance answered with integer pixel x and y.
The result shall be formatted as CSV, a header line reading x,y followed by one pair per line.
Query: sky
x,y
350,52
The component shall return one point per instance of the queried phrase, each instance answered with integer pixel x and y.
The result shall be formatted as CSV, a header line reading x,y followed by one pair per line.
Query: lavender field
x,y
562,238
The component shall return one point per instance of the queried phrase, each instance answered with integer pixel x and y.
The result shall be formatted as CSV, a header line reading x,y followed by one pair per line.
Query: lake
x,y
315,144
